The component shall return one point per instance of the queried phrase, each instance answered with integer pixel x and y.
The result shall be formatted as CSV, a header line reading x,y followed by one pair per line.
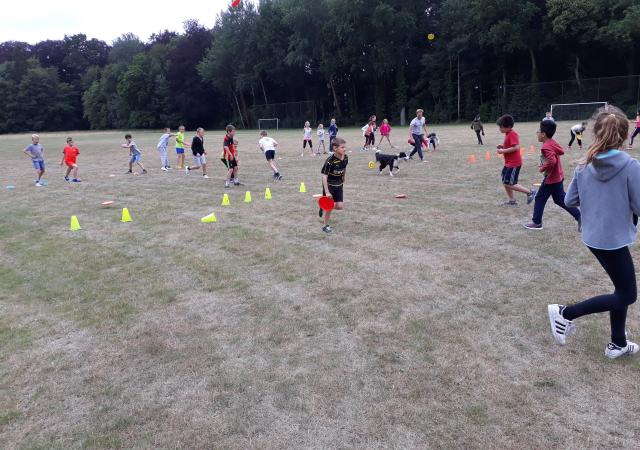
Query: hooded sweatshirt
x,y
550,163
607,190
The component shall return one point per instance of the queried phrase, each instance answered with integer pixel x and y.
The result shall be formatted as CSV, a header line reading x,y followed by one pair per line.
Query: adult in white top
x,y
417,129
576,134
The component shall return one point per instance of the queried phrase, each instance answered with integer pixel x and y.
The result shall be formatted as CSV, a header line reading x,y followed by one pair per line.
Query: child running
x,y
162,149
385,132
268,146
637,130
477,126
510,148
333,132
307,138
576,134
180,146
333,176
135,154
69,155
36,152
230,156
199,154
553,183
320,134
606,186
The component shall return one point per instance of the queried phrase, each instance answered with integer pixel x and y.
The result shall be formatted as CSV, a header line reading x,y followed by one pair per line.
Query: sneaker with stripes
x,y
613,351
560,327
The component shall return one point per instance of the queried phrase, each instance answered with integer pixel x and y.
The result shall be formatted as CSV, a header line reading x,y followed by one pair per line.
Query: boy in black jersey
x,y
231,157
333,175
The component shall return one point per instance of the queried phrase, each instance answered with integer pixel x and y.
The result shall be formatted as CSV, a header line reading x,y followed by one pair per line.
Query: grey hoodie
x,y
607,190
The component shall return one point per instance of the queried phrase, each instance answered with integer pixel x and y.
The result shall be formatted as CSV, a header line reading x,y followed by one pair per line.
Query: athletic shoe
x,y
75,180
320,212
128,171
205,176
510,203
560,327
613,351
533,226
531,196
186,170
280,178
38,184
144,170
237,183
168,167
327,229
164,169
227,184
580,225
66,178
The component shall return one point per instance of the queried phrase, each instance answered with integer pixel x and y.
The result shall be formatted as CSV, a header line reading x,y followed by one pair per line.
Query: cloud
x,y
39,20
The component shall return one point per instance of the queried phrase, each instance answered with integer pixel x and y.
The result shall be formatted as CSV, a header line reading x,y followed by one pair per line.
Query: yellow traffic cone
x,y
209,219
75,225
303,188
225,200
247,197
126,217
267,194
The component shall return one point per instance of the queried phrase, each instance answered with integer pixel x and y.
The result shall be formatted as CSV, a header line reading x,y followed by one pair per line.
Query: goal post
x,y
575,111
269,124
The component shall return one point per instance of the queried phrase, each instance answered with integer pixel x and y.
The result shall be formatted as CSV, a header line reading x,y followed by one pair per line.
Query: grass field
x,y
420,323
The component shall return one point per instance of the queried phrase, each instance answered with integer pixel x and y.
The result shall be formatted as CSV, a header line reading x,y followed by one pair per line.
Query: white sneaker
x,y
186,170
560,327
38,184
205,176
164,169
612,351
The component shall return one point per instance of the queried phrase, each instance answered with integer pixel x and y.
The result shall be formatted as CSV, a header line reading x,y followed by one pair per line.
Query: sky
x,y
37,20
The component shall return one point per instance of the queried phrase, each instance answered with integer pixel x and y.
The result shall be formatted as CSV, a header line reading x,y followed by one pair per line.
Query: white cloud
x,y
37,20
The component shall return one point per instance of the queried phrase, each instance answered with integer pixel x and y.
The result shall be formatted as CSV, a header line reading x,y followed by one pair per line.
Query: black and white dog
x,y
389,160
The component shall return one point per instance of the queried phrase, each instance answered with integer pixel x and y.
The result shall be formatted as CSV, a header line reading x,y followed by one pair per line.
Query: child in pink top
x,y
385,131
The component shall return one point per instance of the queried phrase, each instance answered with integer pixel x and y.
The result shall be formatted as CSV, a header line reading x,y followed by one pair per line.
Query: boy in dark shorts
x,y
333,176
512,161
230,157
553,182
268,146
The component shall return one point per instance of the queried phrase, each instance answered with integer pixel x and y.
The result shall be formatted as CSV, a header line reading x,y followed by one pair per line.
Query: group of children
x,y
320,132
69,158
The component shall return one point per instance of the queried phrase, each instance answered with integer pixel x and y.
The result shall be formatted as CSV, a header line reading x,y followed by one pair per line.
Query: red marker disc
x,y
326,203
401,196
235,3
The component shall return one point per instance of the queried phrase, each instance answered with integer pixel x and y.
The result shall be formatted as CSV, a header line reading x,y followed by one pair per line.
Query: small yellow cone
x,y
303,188
225,200
209,219
267,194
126,217
247,197
75,225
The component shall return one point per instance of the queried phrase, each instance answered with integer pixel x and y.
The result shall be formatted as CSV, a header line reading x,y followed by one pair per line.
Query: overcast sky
x,y
37,20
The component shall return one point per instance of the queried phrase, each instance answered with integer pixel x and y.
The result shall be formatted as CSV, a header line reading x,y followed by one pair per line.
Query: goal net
x,y
269,124
290,114
575,111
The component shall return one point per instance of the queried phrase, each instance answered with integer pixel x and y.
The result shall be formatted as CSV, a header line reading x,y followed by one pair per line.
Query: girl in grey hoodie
x,y
606,187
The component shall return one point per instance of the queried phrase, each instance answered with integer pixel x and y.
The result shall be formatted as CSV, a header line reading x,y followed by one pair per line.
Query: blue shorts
x,y
180,151
38,165
135,158
510,175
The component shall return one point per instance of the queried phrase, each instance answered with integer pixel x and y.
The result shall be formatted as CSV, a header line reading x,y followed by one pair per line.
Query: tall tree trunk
x,y
264,92
235,97
576,71
534,66
336,103
458,87
243,103
504,88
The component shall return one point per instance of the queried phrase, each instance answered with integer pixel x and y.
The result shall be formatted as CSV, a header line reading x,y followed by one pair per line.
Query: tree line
x,y
351,57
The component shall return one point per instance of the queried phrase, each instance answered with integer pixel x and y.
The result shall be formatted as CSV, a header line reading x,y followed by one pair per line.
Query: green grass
x,y
418,323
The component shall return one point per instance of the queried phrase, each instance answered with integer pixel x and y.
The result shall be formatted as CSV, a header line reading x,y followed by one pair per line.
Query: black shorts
x,y
336,193
510,175
270,154
305,142
231,163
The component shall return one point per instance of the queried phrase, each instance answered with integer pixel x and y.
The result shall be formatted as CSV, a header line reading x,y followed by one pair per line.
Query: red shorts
x,y
70,162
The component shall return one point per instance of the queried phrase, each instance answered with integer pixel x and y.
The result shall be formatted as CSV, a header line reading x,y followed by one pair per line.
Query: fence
x,y
530,101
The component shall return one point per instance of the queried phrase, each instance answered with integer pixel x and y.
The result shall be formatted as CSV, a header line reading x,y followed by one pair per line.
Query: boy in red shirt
x,y
553,182
512,161
69,155
230,156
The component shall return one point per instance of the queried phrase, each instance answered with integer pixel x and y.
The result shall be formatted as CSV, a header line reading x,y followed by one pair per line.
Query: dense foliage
x,y
351,57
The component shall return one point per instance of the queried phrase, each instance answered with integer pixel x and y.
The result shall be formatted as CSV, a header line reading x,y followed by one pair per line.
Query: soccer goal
x,y
575,111
269,124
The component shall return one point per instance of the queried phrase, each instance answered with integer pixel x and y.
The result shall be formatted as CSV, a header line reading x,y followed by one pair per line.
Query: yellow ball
x,y
431,36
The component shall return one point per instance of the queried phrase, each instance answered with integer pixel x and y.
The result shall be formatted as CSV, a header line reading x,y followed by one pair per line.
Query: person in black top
x,y
333,176
199,158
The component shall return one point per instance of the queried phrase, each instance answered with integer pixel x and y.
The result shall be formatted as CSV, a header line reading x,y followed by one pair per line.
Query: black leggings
x,y
574,137
635,133
619,266
479,137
